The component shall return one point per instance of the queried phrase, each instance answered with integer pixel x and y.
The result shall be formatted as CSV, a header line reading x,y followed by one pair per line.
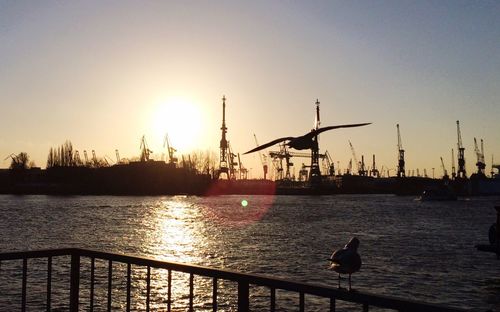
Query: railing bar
x,y
332,304
191,291
74,287
214,294
243,296
129,277
25,275
92,281
49,282
301,302
258,280
148,287
169,291
110,284
273,299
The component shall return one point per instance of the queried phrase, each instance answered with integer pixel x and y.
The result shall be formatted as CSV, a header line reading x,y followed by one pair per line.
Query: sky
x,y
104,73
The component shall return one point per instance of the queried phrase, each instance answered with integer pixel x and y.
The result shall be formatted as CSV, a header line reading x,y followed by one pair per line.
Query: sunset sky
x,y
104,73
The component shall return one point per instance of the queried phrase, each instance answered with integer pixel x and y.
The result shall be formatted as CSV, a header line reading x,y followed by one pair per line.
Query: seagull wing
x,y
263,146
316,132
338,255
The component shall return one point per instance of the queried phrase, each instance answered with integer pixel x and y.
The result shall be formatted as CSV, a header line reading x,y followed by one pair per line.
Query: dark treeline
x,y
66,156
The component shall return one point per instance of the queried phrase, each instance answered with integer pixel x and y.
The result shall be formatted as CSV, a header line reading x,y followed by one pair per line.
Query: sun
x,y
181,119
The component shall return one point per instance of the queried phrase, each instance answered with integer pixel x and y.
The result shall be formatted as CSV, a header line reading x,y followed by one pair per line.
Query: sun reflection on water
x,y
176,234
176,230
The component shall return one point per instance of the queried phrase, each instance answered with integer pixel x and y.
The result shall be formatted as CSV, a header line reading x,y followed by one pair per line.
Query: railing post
x,y
25,276
497,208
243,295
74,282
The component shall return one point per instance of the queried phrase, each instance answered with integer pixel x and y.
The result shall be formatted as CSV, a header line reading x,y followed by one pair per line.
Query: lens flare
x,y
233,211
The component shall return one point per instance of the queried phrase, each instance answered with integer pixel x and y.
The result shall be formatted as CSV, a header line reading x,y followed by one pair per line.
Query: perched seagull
x,y
347,259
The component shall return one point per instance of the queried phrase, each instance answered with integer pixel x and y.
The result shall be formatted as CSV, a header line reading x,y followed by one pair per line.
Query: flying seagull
x,y
347,259
303,142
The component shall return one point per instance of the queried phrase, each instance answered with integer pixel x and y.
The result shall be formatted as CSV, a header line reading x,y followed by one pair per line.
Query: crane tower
x,y
315,173
453,171
224,145
401,157
461,174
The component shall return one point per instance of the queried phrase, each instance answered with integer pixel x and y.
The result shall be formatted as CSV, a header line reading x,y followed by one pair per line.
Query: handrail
x,y
243,280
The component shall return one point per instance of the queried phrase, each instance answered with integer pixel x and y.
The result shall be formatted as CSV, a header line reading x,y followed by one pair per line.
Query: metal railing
x,y
243,281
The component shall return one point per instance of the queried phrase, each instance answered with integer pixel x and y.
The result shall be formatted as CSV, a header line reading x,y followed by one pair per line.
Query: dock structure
x,y
81,261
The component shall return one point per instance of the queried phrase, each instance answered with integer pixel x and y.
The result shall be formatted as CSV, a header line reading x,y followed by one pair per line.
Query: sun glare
x,y
181,119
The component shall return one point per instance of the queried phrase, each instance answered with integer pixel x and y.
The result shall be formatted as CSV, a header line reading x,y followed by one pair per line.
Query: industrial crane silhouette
x,y
461,174
170,150
401,156
263,158
145,151
481,165
307,141
445,172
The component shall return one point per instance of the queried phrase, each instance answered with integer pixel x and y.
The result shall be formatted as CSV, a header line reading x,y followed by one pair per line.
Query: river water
x,y
410,249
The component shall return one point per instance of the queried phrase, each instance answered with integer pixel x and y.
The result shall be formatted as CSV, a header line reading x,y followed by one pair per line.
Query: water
x,y
410,249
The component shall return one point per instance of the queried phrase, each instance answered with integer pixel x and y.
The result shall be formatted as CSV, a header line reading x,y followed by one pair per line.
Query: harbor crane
x,y
224,162
170,150
481,166
492,172
461,173
401,156
453,171
243,171
445,172
263,158
360,164
77,160
94,158
354,157
232,163
374,171
145,151
278,157
328,164
86,158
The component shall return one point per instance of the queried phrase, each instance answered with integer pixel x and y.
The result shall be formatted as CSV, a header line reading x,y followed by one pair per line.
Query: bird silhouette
x,y
347,259
307,141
